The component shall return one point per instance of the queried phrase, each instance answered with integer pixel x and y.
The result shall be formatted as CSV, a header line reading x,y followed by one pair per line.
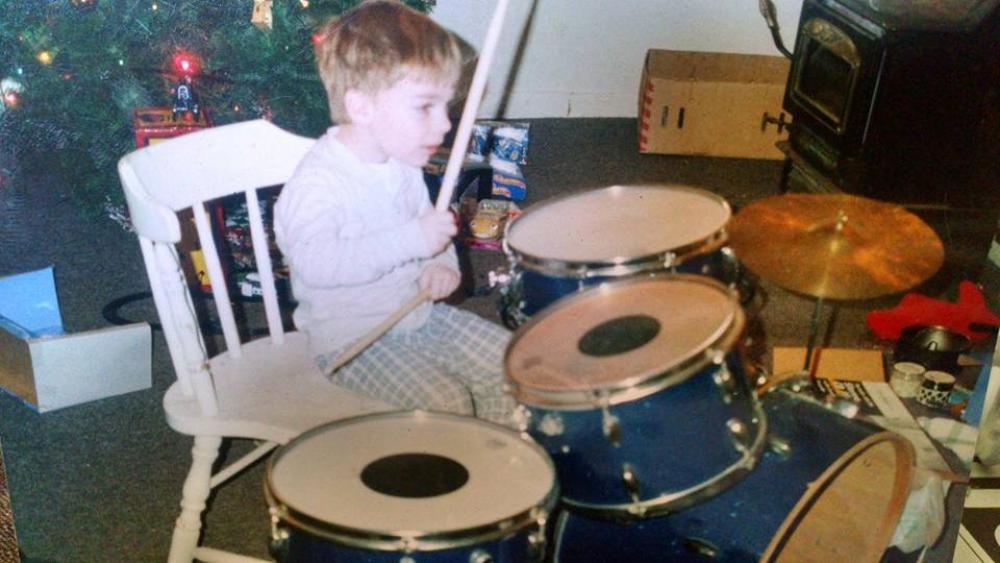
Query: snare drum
x,y
637,391
564,244
410,486
828,488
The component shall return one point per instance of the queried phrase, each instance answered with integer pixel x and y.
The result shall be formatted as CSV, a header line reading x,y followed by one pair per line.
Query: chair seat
x,y
273,392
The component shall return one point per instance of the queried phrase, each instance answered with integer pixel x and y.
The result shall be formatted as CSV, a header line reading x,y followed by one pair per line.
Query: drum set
x,y
639,434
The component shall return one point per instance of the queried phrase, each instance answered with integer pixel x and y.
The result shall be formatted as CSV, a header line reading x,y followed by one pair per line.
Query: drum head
x,y
851,511
623,332
618,223
410,474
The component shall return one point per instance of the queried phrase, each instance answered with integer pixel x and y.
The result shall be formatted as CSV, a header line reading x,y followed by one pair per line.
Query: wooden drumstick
x,y
454,165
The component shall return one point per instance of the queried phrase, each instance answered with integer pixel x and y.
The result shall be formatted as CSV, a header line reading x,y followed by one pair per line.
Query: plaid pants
x,y
454,363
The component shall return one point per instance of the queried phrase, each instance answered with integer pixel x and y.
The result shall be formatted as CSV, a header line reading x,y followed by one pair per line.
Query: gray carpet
x,y
101,481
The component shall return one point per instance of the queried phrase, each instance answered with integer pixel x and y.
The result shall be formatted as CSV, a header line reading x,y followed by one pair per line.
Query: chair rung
x,y
242,463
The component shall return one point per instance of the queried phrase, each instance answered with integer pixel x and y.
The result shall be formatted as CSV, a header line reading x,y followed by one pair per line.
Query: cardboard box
x,y
49,369
712,104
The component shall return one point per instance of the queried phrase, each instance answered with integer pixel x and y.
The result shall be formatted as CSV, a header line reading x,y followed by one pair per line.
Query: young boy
x,y
358,230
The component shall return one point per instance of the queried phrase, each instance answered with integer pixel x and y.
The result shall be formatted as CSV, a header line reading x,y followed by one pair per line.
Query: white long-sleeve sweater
x,y
349,233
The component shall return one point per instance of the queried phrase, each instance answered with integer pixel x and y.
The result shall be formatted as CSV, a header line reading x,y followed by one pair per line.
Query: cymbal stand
x,y
813,330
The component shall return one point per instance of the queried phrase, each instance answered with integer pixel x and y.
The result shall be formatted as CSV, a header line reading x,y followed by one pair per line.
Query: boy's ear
x,y
359,106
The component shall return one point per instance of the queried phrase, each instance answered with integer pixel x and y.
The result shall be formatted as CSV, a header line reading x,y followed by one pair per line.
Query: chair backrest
x,y
188,172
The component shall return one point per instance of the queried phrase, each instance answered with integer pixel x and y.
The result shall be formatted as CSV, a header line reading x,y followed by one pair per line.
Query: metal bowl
x,y
934,347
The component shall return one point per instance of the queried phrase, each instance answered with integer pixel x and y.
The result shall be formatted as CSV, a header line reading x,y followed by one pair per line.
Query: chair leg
x,y
196,490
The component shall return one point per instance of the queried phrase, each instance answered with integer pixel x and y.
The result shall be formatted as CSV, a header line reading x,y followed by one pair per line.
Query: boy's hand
x,y
437,227
440,280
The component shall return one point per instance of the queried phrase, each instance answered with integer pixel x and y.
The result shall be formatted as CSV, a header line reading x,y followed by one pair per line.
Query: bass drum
x,y
829,488
410,487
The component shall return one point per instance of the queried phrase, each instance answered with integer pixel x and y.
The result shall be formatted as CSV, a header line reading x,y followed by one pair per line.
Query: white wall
x,y
583,58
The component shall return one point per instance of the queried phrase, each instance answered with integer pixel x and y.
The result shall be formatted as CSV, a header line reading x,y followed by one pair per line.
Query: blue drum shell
x,y
738,524
674,439
539,288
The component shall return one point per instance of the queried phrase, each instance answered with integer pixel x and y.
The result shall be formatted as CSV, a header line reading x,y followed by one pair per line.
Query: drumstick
x,y
464,131
454,166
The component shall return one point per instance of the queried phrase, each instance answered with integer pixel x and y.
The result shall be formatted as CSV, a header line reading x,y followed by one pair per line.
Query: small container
x,y
935,389
906,378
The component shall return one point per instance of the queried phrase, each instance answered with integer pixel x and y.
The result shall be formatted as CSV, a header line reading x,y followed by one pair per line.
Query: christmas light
x,y
10,90
84,4
185,64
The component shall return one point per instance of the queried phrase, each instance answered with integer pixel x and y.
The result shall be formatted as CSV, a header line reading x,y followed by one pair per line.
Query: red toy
x,y
969,315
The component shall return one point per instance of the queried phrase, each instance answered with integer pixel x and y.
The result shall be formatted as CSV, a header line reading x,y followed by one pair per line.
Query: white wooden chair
x,y
264,389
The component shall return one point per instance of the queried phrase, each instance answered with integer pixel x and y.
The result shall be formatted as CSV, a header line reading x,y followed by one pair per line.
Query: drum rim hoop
x,y
905,457
664,504
406,541
634,387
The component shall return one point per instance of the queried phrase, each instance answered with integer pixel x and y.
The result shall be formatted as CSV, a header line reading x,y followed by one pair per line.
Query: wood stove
x,y
897,100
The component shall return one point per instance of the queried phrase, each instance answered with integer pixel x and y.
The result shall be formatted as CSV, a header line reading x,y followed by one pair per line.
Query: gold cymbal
x,y
835,246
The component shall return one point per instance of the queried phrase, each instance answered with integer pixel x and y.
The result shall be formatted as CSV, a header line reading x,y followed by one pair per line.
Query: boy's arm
x,y
310,223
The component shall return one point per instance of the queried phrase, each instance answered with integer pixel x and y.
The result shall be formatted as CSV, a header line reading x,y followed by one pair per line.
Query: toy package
x,y
505,146
483,221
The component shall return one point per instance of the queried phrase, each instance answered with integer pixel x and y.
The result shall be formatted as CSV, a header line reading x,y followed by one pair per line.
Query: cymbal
x,y
835,246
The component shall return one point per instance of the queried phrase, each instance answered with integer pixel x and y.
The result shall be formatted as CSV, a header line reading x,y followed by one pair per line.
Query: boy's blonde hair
x,y
375,45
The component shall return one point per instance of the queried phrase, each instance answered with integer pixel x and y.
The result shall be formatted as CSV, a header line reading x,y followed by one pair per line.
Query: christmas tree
x,y
73,71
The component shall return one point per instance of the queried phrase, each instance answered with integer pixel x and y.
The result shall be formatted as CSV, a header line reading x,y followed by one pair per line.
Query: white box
x,y
49,369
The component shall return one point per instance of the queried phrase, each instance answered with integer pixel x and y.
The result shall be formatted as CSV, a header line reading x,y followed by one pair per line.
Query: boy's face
x,y
410,119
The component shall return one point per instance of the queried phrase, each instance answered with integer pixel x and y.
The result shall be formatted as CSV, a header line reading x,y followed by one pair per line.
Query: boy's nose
x,y
442,123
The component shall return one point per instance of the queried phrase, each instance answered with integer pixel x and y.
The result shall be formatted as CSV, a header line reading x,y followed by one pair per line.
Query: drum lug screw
x,y
536,542
480,556
738,431
631,482
278,545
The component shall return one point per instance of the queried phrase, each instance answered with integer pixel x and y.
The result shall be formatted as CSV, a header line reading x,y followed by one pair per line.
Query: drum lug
x,y
611,427
522,418
723,378
669,260
536,539
278,545
551,425
632,487
779,446
480,556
